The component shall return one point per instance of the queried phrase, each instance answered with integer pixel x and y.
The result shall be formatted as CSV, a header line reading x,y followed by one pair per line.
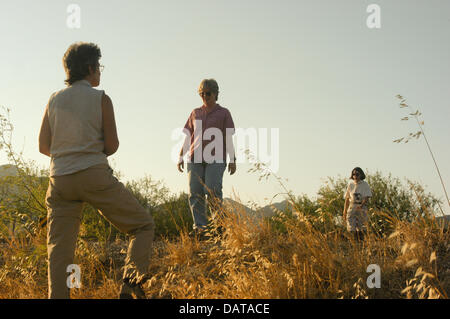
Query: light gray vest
x,y
75,116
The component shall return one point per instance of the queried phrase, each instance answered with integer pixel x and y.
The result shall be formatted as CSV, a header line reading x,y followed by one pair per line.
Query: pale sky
x,y
311,69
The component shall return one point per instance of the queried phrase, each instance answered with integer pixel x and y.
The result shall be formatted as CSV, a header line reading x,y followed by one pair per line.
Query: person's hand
x,y
231,168
180,165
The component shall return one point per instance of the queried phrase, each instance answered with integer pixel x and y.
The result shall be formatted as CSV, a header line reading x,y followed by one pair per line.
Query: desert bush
x,y
390,199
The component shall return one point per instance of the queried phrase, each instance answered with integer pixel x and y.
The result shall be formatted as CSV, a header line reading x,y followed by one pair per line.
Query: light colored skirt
x,y
357,220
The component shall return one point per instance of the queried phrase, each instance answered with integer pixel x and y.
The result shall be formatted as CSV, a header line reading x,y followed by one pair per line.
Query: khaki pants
x,y
97,186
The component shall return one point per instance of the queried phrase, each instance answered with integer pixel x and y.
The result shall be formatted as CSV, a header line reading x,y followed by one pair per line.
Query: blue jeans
x,y
204,179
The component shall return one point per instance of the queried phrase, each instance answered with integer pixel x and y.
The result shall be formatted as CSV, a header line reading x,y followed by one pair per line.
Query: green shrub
x,y
390,199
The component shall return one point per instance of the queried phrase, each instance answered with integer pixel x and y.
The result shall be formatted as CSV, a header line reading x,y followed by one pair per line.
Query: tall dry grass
x,y
251,258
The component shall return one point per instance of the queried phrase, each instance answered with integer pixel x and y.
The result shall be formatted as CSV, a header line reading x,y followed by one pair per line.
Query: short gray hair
x,y
210,84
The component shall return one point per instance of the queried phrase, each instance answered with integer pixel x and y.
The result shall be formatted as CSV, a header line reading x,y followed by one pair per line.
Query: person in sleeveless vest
x,y
78,133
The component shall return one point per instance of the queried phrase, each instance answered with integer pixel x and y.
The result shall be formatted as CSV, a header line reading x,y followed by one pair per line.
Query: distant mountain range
x,y
266,211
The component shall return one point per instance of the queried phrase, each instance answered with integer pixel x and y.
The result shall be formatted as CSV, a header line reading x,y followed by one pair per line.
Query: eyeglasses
x,y
202,94
355,174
